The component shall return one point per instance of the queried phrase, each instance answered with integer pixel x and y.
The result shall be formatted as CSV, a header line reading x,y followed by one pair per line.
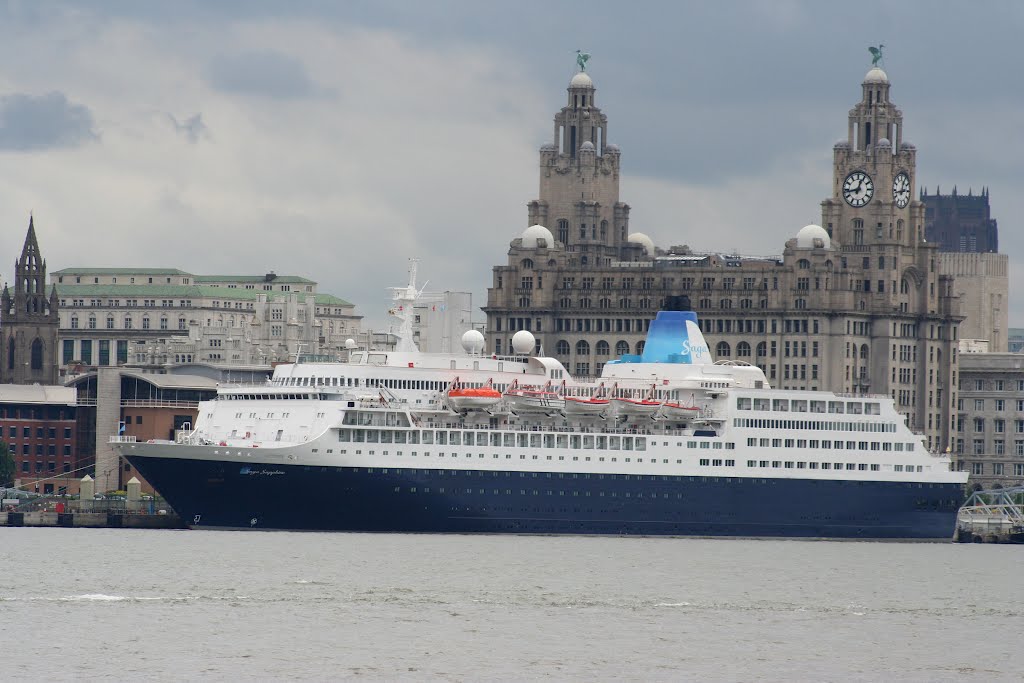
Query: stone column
x,y
108,418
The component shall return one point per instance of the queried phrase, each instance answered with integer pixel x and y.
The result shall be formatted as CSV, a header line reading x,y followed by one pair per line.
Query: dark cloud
x,y
30,122
263,74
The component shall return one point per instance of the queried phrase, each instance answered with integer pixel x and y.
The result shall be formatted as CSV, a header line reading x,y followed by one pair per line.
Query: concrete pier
x,y
91,520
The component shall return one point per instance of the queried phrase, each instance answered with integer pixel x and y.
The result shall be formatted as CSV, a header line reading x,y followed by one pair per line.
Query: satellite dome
x,y
640,238
473,342
884,142
588,145
611,147
908,145
581,80
350,344
842,144
876,75
813,237
549,147
532,235
523,342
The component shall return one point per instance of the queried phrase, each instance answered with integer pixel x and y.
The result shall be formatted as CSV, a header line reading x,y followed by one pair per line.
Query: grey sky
x,y
335,140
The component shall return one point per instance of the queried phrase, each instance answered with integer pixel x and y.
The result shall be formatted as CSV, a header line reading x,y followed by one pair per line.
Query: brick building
x,y
38,424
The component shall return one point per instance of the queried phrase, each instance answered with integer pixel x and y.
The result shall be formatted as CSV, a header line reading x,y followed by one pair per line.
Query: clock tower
x,y
874,171
902,327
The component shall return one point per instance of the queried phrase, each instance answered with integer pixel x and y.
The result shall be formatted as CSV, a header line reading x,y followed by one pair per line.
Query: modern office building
x,y
857,305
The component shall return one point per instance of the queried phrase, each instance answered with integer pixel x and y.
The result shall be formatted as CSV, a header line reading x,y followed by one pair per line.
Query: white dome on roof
x,y
473,342
534,233
640,238
523,342
581,80
876,75
611,147
813,237
588,145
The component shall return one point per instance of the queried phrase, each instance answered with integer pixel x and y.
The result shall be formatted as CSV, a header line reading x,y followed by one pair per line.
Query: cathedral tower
x,y
579,177
29,324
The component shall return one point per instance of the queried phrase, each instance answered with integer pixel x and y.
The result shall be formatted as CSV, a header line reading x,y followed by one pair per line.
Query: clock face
x,y
901,190
858,189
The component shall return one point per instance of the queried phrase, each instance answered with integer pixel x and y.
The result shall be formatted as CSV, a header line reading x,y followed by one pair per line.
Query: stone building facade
x,y
166,316
982,281
28,320
990,419
857,306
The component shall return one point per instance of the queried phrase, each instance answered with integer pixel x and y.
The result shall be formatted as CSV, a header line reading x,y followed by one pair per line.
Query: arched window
x,y
762,349
37,354
803,264
602,348
800,303
604,230
582,348
904,286
10,353
743,350
725,303
864,351
828,264
526,264
640,348
605,302
621,348
723,350
562,348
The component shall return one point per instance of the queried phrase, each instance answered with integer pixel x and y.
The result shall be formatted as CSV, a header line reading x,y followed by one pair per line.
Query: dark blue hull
x,y
227,495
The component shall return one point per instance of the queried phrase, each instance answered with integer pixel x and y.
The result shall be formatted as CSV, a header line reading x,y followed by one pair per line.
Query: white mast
x,y
405,298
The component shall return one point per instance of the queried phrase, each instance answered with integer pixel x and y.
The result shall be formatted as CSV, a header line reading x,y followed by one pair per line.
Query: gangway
x,y
995,512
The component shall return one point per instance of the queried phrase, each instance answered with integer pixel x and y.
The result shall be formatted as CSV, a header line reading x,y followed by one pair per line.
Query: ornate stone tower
x,y
909,311
28,329
579,177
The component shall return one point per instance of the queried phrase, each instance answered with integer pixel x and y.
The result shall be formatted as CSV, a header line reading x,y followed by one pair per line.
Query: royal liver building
x,y
855,305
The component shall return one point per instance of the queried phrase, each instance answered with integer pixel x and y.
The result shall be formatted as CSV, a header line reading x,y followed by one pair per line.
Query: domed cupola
x,y
813,237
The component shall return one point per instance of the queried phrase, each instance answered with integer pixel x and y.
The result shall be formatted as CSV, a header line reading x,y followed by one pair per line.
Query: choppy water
x,y
187,605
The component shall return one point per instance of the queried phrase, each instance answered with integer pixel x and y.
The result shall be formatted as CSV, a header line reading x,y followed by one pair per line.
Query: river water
x,y
208,605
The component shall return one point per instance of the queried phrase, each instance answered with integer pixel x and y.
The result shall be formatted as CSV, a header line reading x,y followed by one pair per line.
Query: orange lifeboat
x,y
473,398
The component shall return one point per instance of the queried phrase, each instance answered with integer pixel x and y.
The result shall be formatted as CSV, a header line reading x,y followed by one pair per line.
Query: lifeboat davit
x,y
586,406
473,398
577,406
678,411
636,406
523,400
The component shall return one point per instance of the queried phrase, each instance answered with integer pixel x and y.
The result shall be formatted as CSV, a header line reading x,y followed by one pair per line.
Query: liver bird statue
x,y
581,59
876,54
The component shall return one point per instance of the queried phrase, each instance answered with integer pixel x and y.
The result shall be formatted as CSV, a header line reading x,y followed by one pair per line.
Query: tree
x,y
7,466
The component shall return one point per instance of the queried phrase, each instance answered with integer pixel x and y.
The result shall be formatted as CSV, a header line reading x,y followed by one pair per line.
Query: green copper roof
x,y
119,271
277,279
331,300
186,292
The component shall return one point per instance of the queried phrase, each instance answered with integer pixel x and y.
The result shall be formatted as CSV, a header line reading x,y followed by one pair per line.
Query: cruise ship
x,y
667,442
